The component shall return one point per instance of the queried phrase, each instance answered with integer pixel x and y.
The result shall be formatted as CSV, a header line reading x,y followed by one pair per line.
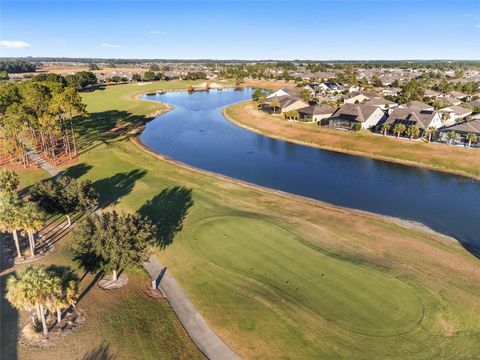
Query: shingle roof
x,y
355,112
377,101
317,110
415,116
468,127
417,105
458,110
457,94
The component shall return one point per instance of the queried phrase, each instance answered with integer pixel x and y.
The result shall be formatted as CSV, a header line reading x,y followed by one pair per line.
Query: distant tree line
x,y
17,66
196,75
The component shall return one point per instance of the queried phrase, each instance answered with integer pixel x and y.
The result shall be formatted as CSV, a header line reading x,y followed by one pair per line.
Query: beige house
x,y
316,113
288,103
346,116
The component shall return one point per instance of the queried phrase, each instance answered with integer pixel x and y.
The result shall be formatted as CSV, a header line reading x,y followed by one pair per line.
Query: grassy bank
x,y
436,156
278,276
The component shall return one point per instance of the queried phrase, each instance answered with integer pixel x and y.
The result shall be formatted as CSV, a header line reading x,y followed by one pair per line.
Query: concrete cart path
x,y
197,328
33,155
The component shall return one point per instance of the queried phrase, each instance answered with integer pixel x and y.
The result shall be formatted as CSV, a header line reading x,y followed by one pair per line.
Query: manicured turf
x,y
350,296
252,261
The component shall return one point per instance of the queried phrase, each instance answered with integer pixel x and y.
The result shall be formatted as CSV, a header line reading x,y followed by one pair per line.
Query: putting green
x,y
354,297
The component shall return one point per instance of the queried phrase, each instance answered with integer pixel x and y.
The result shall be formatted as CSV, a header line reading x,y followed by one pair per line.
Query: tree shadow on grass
x,y
9,324
113,188
106,126
168,210
77,171
101,352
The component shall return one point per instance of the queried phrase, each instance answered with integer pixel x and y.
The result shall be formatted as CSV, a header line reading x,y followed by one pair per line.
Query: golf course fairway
x,y
251,260
350,296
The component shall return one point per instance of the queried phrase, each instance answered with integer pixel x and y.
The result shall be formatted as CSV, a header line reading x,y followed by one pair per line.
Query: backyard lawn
x,y
276,276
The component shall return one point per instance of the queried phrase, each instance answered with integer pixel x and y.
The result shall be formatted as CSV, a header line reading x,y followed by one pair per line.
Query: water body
x,y
196,133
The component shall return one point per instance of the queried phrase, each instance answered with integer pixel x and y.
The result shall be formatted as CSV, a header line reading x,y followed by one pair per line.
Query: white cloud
x,y
156,32
110,45
14,44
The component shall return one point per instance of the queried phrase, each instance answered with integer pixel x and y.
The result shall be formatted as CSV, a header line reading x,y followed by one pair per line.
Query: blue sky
x,y
318,30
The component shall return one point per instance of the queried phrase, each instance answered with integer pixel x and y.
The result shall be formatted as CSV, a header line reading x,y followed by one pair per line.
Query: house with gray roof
x,y
413,116
462,129
316,113
453,114
346,116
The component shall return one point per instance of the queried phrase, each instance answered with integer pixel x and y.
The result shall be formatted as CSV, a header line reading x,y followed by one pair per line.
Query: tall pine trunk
x,y
17,243
73,138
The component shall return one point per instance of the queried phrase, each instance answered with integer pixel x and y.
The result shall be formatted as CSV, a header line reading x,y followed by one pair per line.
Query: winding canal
x,y
196,133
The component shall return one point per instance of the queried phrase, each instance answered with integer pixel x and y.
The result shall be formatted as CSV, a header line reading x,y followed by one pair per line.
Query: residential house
x,y
462,129
391,91
330,87
382,103
417,105
170,75
475,104
346,116
316,113
453,114
288,103
431,94
358,97
457,95
284,92
414,116
449,100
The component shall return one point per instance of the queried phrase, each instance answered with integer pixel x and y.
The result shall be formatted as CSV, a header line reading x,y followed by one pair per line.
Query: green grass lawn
x,y
124,323
252,261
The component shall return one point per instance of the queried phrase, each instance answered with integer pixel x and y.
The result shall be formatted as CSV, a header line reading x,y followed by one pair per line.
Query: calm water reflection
x,y
196,133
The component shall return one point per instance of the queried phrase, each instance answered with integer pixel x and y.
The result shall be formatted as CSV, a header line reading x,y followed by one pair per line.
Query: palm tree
x,y
64,291
10,205
412,131
31,291
32,220
471,137
18,297
385,128
445,117
8,180
399,129
275,104
430,131
452,135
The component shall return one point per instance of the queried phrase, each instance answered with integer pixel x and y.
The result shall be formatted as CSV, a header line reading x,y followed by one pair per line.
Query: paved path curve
x,y
33,155
197,328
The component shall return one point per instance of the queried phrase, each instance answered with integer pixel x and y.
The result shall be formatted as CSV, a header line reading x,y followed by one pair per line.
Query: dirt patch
x,y
107,282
